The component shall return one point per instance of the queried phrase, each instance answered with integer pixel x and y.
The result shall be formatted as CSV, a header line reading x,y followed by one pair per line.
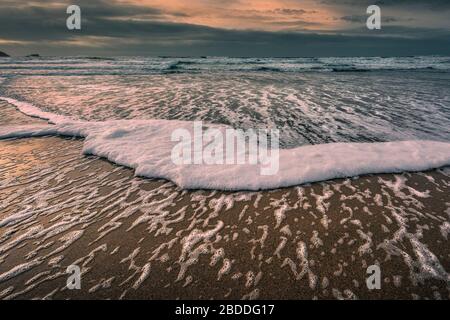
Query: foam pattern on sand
x,y
146,146
141,238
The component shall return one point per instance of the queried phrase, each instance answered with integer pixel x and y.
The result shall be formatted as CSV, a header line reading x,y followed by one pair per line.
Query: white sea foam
x,y
33,111
307,108
63,191
145,146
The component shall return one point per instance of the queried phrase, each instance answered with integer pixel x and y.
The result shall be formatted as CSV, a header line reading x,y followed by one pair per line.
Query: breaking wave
x,y
145,146
162,65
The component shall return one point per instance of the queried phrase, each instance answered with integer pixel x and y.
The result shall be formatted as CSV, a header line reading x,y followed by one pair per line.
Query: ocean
x,y
333,104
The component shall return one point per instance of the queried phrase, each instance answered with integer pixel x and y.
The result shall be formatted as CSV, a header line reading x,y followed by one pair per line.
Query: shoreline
x,y
139,238
153,149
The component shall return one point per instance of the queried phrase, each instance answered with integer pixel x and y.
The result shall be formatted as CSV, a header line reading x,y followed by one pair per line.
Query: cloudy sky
x,y
225,27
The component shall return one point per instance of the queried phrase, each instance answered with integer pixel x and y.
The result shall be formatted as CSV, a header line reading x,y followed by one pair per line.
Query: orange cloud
x,y
269,15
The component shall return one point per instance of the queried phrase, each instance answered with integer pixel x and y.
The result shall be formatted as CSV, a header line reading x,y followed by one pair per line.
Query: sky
x,y
272,28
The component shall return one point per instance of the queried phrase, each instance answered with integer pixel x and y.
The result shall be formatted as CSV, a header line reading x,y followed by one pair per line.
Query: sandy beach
x,y
137,238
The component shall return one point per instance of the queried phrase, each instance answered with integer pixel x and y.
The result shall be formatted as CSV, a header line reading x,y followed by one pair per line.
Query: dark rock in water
x,y
2,54
34,55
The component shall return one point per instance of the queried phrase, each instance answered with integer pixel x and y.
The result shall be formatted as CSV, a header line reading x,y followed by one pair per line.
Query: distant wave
x,y
272,69
350,70
100,58
146,65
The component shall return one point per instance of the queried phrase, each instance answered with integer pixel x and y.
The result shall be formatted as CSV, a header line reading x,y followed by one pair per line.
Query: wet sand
x,y
138,238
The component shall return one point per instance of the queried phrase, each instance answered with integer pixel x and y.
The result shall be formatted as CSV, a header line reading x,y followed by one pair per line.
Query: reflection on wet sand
x,y
148,239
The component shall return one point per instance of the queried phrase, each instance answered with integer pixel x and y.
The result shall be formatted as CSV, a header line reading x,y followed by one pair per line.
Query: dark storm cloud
x,y
100,18
110,28
361,19
431,4
435,4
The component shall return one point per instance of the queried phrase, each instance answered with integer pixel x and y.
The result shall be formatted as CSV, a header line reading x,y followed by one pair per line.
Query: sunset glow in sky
x,y
281,15
273,15
225,27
